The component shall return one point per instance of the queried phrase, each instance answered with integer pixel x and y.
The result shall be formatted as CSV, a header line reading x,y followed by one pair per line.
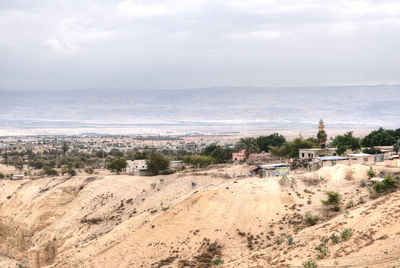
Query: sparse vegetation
x,y
363,183
310,219
290,240
346,234
335,239
389,183
310,264
333,200
371,173
348,175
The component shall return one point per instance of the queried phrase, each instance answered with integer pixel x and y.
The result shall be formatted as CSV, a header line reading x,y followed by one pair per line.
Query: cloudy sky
x,y
138,44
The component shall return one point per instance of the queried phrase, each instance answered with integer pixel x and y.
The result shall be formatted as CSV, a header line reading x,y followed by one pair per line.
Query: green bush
x,y
167,172
388,183
310,264
217,262
1,175
290,240
363,183
333,200
68,170
310,219
371,173
346,234
199,160
49,171
89,170
334,238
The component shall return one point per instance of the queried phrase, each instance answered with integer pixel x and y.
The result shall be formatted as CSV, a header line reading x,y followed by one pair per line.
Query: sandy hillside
x,y
194,218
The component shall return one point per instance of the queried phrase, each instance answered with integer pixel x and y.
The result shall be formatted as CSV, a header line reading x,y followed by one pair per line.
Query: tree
x,y
117,164
264,142
396,146
322,137
65,148
115,152
220,154
346,141
381,137
291,149
249,145
156,163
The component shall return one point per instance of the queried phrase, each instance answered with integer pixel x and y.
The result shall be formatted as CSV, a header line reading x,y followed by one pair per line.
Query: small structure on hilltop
x,y
136,167
271,170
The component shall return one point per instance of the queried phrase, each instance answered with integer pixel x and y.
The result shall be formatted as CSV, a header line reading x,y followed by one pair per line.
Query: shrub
x,y
388,183
49,171
371,173
278,241
68,170
310,219
199,161
350,204
167,172
346,234
89,170
363,183
334,238
217,262
323,251
153,185
1,175
348,175
333,200
290,240
310,264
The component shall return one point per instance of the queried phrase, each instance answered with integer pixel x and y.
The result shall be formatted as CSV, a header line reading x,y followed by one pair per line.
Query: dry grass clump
x,y
348,174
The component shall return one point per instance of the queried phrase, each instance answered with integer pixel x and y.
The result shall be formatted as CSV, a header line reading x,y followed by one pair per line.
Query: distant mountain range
x,y
219,107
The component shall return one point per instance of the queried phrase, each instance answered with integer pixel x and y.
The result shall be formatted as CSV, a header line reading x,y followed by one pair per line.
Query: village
x,y
194,201
93,153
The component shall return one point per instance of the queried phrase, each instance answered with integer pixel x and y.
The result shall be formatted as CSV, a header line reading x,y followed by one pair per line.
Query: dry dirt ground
x,y
167,221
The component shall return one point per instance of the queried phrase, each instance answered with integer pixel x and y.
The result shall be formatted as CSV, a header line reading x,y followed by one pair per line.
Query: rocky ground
x,y
197,218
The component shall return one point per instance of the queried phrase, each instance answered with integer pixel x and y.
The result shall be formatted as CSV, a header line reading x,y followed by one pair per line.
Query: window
x,y
302,154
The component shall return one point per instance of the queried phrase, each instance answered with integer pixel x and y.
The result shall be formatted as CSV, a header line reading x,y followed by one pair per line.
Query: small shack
x,y
272,170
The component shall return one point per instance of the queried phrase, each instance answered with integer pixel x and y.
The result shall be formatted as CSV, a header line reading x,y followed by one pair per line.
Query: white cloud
x,y
65,48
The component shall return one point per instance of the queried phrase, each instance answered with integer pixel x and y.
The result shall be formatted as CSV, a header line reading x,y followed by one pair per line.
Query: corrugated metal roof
x,y
332,158
274,165
359,155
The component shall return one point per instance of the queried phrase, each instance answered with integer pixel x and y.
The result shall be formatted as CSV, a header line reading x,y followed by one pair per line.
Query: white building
x,y
136,167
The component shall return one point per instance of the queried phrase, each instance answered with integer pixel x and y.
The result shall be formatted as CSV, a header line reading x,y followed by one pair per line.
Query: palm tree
x,y
249,145
322,137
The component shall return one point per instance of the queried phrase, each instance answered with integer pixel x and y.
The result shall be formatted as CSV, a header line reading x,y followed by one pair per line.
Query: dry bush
x,y
348,174
312,181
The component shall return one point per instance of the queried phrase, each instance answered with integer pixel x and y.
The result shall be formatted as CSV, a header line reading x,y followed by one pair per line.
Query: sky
x,y
171,44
